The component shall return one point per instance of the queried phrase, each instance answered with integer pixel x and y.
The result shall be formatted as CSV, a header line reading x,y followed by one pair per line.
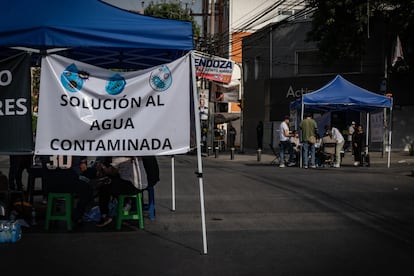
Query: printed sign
x,y
91,111
213,68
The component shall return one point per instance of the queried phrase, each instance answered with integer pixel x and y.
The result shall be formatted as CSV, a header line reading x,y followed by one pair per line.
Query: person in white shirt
x,y
340,141
285,144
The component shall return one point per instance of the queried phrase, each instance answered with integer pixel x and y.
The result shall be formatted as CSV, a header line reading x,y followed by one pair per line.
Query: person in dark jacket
x,y
358,144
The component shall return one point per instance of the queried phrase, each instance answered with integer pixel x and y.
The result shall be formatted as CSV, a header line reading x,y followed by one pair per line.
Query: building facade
x,y
280,66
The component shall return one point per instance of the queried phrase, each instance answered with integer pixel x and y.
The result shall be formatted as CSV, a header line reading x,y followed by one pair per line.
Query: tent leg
x,y
199,161
172,183
389,139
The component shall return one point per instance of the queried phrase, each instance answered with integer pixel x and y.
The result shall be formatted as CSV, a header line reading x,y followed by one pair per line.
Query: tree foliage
x,y
339,27
172,11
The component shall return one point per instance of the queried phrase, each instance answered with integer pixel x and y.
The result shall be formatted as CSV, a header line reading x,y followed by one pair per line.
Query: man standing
x,y
232,135
309,128
285,143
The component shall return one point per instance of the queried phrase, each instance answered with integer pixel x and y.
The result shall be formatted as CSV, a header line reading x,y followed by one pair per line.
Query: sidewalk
x,y
376,158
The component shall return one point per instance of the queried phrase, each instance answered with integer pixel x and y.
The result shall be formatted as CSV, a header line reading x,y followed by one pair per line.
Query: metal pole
x,y
259,155
199,160
389,137
172,183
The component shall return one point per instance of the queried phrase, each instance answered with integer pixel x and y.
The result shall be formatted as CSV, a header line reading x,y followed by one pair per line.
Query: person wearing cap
x,y
285,144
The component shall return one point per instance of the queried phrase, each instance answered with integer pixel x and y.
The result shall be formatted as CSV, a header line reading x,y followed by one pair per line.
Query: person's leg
x,y
338,149
357,156
291,153
104,197
305,154
121,186
84,192
312,152
282,153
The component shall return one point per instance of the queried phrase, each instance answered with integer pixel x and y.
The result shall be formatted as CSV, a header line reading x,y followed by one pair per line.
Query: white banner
x,y
90,111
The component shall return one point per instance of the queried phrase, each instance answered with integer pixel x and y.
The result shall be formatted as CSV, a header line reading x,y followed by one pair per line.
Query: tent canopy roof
x,y
340,94
94,32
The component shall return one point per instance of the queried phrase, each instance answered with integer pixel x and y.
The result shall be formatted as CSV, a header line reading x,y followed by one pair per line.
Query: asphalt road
x,y
260,220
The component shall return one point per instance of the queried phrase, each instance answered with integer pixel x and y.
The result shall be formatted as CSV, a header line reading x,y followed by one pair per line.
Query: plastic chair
x,y
52,214
276,155
125,214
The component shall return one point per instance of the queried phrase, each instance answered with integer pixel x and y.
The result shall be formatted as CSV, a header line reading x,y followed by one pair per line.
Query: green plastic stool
x,y
130,214
51,212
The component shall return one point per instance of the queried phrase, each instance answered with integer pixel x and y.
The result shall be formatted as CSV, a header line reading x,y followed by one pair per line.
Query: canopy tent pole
x,y
367,136
198,142
172,183
389,136
302,110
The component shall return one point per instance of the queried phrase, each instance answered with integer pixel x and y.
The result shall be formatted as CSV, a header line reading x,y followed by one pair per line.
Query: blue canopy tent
x,y
99,34
340,95
92,31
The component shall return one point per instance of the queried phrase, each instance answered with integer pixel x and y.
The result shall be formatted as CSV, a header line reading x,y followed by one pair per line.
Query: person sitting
x,y
295,141
328,146
121,173
284,136
61,174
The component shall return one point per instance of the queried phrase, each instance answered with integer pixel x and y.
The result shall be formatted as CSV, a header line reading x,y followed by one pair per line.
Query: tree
x,y
173,11
340,27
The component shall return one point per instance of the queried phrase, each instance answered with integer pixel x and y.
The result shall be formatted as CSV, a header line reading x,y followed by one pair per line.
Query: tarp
x,y
340,94
95,32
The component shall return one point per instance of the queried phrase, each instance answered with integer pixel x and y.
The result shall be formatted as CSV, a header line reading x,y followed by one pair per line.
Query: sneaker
x,y
281,165
313,167
305,167
104,221
291,164
336,166
356,164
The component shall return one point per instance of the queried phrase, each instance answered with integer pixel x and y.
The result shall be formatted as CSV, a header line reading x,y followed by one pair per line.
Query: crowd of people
x,y
305,145
100,180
